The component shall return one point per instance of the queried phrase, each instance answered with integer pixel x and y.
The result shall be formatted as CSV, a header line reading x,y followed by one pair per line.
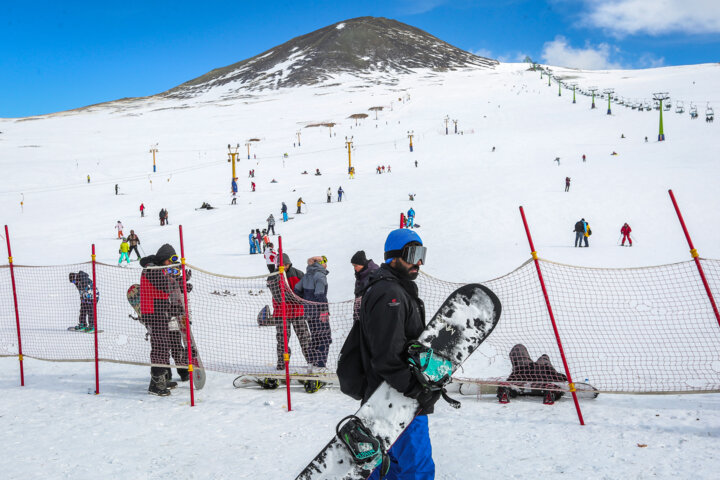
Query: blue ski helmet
x,y
397,239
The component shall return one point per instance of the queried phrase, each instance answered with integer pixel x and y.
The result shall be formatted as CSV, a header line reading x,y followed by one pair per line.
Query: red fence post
x,y
187,319
95,324
695,257
286,355
552,319
402,220
17,313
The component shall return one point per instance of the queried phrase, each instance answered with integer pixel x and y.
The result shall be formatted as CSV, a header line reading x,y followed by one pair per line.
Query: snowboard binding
x,y
432,371
363,446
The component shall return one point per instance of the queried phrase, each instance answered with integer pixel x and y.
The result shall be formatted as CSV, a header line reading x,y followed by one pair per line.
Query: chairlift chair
x,y
693,111
679,108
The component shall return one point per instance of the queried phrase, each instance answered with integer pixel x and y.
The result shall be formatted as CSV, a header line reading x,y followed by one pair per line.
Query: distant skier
x,y
251,241
252,185
133,241
329,195
142,209
234,190
580,232
84,285
557,159
299,203
567,184
258,241
119,228
271,221
317,172
283,210
411,218
411,197
625,231
340,194
116,189
88,178
162,216
388,168
123,251
493,149
583,157
416,160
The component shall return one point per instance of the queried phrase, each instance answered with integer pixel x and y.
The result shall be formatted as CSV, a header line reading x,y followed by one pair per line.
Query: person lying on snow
x,y
540,375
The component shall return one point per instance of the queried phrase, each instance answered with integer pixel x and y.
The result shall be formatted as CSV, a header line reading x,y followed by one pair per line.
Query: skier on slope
x,y
258,241
299,203
567,184
123,251
391,315
133,241
283,210
271,221
142,209
329,195
234,190
625,231
340,194
251,241
119,228
411,218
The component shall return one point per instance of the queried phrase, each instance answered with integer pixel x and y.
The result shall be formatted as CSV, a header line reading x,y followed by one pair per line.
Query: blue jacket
x,y
411,213
251,239
234,186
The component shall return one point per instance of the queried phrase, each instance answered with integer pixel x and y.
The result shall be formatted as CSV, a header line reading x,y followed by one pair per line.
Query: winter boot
x,y
169,383
312,386
157,382
503,395
549,398
184,374
269,383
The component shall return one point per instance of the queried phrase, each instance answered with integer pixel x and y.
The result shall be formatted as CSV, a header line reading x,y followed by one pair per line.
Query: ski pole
x,y
618,240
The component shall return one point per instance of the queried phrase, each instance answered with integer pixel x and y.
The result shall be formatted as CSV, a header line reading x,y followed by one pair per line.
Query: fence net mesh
x,y
640,330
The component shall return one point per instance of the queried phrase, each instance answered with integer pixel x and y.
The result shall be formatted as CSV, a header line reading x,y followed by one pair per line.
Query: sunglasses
x,y
414,254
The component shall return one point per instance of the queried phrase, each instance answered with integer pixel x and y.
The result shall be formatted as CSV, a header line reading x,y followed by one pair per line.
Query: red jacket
x,y
625,230
293,303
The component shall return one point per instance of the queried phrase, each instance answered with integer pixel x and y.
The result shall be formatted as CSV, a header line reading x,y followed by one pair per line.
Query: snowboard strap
x,y
431,371
363,446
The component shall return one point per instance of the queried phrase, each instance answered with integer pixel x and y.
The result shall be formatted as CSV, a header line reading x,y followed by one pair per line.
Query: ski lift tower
x,y
609,92
232,155
573,85
154,150
593,90
659,97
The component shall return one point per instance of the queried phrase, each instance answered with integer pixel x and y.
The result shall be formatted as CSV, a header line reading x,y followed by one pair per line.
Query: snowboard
x,y
72,329
584,391
311,385
458,328
133,297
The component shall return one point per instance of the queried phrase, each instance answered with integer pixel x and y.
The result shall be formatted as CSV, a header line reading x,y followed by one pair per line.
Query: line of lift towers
x,y
662,100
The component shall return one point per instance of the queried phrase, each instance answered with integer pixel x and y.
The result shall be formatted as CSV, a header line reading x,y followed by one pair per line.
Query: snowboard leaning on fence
x,y
133,297
458,328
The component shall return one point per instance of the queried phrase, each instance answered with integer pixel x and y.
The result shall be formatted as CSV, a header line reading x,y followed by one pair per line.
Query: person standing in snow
x,y
119,228
258,241
123,251
233,191
84,285
271,222
567,184
116,189
283,210
299,203
271,258
142,209
363,268
329,195
340,194
579,232
411,218
251,241
391,315
313,287
133,241
625,231
252,185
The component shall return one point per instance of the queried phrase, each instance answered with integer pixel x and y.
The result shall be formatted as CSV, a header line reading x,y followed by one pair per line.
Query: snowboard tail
x,y
460,325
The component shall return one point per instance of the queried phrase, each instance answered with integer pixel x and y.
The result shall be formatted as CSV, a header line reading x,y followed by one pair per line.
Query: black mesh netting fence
x,y
648,329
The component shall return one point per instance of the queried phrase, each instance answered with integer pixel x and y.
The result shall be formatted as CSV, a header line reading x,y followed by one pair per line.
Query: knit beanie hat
x,y
164,253
286,260
359,258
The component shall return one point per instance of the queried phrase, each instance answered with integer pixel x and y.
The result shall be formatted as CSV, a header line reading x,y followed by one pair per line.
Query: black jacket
x,y
579,227
362,278
391,314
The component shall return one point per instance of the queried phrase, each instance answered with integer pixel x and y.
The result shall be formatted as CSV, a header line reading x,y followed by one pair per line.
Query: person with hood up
x,y
313,287
161,303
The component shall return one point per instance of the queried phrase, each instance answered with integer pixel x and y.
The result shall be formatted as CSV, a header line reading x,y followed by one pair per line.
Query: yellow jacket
x,y
124,247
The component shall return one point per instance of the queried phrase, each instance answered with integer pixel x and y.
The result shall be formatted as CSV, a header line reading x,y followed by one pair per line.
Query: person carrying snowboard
x,y
283,210
159,303
411,218
340,194
625,231
123,251
84,285
133,241
391,315
119,228
299,203
271,221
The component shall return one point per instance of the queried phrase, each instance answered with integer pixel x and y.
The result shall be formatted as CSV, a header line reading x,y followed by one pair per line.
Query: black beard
x,y
404,272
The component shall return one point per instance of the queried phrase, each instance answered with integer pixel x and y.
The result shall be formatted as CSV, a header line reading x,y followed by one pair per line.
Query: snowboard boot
x,y
184,374
312,386
269,383
169,383
549,398
503,395
157,382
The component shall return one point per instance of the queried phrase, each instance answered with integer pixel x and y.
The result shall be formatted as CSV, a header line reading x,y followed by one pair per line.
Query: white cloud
x,y
414,7
560,53
654,17
482,52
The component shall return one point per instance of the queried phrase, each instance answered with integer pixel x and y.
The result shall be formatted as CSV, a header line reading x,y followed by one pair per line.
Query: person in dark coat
x,y
579,232
363,268
160,301
391,315
294,313
84,285
313,287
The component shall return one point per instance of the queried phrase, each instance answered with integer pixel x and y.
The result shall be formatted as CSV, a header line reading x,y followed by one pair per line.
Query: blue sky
x,y
61,55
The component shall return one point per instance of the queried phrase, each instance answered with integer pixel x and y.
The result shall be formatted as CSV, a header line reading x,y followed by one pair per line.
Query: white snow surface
x,y
467,205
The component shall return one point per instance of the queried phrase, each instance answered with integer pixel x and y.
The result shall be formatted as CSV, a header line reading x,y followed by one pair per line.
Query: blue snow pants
x,y
284,219
411,455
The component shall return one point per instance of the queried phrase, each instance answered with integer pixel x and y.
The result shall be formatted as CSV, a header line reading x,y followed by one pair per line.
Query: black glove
x,y
426,398
188,274
189,287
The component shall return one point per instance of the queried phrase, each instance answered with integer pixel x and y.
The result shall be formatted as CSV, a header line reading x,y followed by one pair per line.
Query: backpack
x,y
589,231
350,370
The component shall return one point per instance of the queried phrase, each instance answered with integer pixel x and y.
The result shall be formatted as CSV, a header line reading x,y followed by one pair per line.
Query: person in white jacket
x,y
119,228
271,257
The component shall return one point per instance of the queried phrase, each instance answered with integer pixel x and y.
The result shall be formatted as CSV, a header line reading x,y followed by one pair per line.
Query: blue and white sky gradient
x,y
61,55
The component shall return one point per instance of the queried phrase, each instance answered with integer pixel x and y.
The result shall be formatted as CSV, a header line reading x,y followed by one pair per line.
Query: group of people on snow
x,y
583,231
381,169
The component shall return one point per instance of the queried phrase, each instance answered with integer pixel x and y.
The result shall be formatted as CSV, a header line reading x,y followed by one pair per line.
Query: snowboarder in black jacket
x,y
391,315
84,285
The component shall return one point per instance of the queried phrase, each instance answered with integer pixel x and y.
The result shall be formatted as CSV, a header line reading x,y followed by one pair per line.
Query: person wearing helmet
x,y
391,315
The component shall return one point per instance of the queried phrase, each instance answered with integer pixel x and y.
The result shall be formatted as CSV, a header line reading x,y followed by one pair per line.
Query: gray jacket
x,y
313,285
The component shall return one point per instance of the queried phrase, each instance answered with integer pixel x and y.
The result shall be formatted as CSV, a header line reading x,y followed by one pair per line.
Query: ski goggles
x,y
324,260
411,253
175,259
173,271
